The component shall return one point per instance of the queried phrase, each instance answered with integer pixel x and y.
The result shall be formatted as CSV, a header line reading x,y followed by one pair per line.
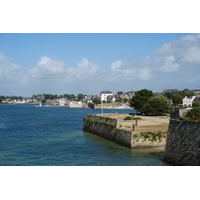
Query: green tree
x,y
118,99
71,97
193,114
97,101
55,96
177,99
34,97
66,96
47,96
40,96
80,96
2,98
158,105
169,95
140,99
187,93
125,100
196,104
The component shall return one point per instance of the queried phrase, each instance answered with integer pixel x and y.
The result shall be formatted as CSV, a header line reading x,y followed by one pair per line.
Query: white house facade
x,y
187,101
104,95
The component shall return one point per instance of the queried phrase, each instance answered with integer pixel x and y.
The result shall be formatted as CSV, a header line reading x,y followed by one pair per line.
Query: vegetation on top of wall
x,y
196,104
100,122
129,118
151,136
193,115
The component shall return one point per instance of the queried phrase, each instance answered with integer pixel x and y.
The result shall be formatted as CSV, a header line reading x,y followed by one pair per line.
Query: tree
x,y
196,104
187,93
40,96
97,101
71,96
169,95
66,96
125,100
193,114
55,96
177,99
80,96
140,99
34,97
118,99
158,105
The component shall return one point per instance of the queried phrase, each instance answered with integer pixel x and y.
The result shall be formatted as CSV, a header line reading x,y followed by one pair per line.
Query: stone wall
x,y
113,105
149,139
178,113
183,143
107,128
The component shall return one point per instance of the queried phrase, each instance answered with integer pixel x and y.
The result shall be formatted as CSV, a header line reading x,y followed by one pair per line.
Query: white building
x,y
105,94
62,102
187,101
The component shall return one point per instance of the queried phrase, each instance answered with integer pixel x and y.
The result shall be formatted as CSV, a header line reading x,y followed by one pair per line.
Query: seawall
x,y
114,105
183,143
109,128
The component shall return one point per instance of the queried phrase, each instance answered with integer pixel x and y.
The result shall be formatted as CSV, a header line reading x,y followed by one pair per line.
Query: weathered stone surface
x,y
183,143
107,128
148,139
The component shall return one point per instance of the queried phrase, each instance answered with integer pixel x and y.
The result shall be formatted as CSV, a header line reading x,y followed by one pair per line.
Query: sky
x,y
73,63
86,47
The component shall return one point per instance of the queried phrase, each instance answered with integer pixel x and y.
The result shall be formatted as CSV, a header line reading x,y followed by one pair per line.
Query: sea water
x,y
53,136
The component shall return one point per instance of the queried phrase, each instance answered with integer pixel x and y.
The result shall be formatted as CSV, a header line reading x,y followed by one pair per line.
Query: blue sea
x,y
53,136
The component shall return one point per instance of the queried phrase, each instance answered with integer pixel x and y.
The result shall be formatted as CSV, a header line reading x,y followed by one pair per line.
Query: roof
x,y
106,92
197,99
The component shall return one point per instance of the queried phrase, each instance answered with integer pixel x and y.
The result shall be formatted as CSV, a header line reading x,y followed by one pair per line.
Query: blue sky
x,y
60,63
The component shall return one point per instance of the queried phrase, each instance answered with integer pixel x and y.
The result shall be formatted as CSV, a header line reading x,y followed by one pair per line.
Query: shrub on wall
x,y
196,104
128,118
193,115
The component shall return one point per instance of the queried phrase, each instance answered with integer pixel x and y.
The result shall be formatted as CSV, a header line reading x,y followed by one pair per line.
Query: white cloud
x,y
168,64
186,50
47,67
85,70
145,74
131,70
116,65
192,56
8,70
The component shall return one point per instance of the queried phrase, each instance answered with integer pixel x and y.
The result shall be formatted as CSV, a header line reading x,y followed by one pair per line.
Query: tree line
x,y
40,97
10,97
178,97
53,96
148,103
